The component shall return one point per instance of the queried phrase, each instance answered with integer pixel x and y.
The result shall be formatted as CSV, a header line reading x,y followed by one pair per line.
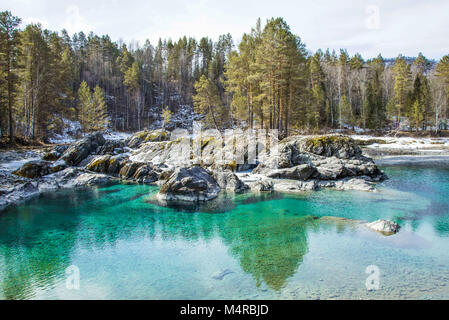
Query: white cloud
x,y
404,26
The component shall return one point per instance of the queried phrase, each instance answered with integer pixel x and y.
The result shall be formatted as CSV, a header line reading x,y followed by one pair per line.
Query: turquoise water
x,y
249,246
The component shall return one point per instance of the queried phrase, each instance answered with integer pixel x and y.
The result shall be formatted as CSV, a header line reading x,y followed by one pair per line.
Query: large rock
x,y
111,147
55,153
189,184
295,186
39,168
73,177
19,193
384,226
120,166
342,147
115,163
331,158
83,148
227,180
145,174
261,185
99,164
128,170
302,172
136,140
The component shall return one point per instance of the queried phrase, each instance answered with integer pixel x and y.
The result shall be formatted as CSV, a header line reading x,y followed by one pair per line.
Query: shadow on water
x,y
225,202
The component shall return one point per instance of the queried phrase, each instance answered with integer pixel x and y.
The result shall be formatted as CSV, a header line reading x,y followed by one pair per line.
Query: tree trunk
x,y
11,127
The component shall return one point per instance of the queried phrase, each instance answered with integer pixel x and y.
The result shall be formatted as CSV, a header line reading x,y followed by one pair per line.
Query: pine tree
x,y
9,41
442,72
85,106
402,80
346,112
318,91
132,80
207,101
99,118
167,114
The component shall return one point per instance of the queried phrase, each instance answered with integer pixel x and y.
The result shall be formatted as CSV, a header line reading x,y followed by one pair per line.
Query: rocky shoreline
x,y
299,164
151,157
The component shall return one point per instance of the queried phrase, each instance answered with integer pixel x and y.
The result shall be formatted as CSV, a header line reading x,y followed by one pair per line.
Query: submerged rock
x,y
189,184
384,226
222,274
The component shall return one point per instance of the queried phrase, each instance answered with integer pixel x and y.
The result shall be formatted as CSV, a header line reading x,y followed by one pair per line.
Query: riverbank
x,y
307,163
297,164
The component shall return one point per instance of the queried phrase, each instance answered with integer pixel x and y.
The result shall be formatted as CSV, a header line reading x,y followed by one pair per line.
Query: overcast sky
x,y
370,27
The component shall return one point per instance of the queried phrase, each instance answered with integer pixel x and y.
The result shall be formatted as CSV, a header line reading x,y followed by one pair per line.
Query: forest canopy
x,y
268,80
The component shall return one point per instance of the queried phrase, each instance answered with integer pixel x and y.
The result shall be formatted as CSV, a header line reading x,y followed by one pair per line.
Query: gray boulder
x,y
189,184
39,168
83,148
55,153
384,226
99,164
227,180
302,172
111,147
136,140
262,185
342,147
145,174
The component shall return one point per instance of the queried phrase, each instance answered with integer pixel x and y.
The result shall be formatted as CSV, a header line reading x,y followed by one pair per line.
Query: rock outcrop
x,y
312,163
55,153
83,148
189,184
39,168
141,137
301,164
227,180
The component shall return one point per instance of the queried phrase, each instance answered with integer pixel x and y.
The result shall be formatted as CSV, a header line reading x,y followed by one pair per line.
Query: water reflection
x,y
268,235
37,240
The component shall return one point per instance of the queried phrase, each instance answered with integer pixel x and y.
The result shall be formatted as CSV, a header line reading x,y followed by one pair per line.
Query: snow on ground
x,y
67,139
413,160
60,139
69,132
407,143
13,160
114,135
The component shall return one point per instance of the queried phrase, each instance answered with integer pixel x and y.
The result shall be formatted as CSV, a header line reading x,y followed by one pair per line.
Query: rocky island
x,y
151,157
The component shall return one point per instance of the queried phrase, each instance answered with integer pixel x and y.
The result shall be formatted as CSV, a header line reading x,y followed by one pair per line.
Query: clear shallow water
x,y
243,247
